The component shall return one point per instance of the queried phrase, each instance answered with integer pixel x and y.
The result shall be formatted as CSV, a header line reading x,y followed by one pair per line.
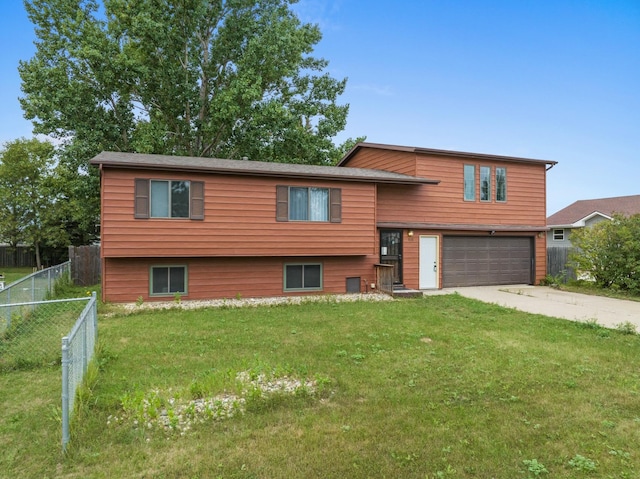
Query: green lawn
x,y
14,274
439,387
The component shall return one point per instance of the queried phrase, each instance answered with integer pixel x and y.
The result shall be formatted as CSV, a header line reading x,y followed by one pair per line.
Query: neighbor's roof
x,y
577,213
253,168
431,151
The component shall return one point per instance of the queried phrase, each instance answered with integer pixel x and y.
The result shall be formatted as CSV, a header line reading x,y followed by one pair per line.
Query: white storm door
x,y
428,262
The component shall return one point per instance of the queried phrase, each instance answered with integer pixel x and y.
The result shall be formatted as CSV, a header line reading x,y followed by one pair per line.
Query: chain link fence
x,y
36,332
77,351
33,335
35,287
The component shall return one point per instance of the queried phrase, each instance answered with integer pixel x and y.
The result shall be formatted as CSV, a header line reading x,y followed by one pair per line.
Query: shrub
x,y
610,253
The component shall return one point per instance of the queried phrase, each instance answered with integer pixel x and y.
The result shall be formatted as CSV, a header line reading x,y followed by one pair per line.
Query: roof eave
x,y
462,227
451,153
272,174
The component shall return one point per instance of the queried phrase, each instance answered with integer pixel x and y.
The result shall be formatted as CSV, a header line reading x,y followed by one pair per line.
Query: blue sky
x,y
548,79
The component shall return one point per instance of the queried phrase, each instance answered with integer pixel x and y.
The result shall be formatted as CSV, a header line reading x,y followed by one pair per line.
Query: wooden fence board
x,y
86,267
558,262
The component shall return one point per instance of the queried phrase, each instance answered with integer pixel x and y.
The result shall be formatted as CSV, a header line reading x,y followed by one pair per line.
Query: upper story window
x,y
485,183
485,178
558,235
501,184
169,199
308,204
301,203
469,182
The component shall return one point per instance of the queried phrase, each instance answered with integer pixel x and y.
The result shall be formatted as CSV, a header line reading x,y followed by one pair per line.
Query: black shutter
x,y
335,215
141,201
197,200
282,203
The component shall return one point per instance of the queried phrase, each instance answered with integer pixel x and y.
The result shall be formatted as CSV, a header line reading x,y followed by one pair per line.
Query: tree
x,y
29,195
610,252
226,78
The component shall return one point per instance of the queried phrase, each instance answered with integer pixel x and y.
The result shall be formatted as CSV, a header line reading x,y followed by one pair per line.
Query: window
x,y
558,235
301,203
302,277
485,183
501,184
168,280
469,182
308,204
169,199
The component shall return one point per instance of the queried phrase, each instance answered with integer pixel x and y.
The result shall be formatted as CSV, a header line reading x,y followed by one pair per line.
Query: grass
x,y
588,287
14,274
438,387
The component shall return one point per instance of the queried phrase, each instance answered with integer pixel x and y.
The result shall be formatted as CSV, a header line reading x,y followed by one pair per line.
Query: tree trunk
x,y
38,261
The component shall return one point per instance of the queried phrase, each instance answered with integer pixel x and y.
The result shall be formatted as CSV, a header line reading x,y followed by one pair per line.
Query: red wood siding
x,y
239,220
125,280
388,160
444,203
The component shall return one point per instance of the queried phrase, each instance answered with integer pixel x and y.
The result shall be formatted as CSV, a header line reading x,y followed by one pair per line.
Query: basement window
x,y
168,280
302,277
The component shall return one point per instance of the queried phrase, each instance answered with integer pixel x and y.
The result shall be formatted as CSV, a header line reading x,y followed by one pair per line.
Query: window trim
x,y
471,168
169,293
142,199
558,237
303,288
334,205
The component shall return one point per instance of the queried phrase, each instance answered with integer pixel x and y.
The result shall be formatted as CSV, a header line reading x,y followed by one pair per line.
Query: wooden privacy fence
x,y
85,265
20,257
557,262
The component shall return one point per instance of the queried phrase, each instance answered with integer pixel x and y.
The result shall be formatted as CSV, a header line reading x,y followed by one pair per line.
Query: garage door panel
x,y
477,261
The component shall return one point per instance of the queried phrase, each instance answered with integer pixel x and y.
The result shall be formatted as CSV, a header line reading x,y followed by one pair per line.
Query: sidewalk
x,y
607,312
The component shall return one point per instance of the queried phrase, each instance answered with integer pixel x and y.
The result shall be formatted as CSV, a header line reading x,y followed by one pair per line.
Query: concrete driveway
x,y
607,312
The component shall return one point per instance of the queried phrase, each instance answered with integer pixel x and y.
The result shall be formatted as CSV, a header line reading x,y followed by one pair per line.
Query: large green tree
x,y
225,78
33,205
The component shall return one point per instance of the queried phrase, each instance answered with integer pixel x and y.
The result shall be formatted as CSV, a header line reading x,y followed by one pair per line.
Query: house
x,y
214,228
586,213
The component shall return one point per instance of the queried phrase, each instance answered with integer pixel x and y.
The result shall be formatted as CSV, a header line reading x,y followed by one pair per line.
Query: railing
x,y
77,350
384,277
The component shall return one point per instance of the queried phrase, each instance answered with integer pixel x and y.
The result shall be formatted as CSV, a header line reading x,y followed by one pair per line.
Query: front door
x,y
428,262
391,252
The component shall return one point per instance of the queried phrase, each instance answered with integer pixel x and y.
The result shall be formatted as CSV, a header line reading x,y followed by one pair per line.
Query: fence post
x,y
65,392
94,314
8,309
85,352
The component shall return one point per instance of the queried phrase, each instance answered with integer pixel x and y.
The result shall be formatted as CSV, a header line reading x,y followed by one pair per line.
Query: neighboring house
x,y
211,228
586,213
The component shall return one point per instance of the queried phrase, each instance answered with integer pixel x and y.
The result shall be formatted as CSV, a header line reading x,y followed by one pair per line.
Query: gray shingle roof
x,y
253,168
434,152
624,205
